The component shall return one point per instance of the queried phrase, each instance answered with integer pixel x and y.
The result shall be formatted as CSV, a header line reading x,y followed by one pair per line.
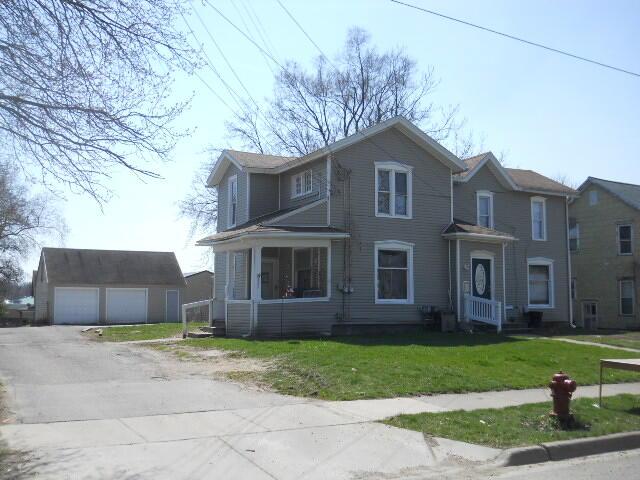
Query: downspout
x,y
458,287
449,270
566,209
504,285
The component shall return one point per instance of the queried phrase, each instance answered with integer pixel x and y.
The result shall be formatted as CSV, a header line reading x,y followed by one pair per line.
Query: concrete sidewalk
x,y
305,440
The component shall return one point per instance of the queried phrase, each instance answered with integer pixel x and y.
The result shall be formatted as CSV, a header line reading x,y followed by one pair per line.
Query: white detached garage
x,y
93,287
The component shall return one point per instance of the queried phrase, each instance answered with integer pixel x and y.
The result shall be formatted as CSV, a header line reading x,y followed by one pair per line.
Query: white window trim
x,y
394,245
630,238
633,297
394,167
233,179
303,192
544,218
552,284
482,194
326,298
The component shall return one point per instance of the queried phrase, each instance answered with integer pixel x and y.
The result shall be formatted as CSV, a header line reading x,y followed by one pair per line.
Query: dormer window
x,y
484,208
233,200
302,184
393,190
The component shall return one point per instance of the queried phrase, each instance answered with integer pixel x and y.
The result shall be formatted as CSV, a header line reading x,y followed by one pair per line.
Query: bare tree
x,y
566,180
200,205
85,86
360,88
25,219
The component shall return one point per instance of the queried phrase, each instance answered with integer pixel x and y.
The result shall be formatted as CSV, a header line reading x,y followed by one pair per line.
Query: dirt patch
x,y
214,361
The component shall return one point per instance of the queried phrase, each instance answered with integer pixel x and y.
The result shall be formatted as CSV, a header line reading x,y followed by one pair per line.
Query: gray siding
x,y
238,318
314,216
156,300
220,268
223,198
319,180
264,194
431,214
512,214
240,265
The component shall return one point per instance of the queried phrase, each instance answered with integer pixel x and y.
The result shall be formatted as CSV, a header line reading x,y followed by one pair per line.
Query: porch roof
x,y
467,231
269,231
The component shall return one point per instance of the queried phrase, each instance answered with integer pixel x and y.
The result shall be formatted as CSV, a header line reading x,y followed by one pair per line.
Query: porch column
x,y
256,270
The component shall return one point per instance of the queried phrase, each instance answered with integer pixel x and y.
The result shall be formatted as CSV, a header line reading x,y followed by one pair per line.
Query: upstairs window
x,y
574,235
233,200
624,240
393,190
626,297
302,183
484,207
593,197
538,218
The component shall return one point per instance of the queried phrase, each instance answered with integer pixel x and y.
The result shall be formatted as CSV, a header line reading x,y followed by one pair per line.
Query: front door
x,y
481,278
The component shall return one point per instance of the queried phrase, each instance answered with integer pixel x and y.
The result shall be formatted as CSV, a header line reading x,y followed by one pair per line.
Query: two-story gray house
x,y
367,231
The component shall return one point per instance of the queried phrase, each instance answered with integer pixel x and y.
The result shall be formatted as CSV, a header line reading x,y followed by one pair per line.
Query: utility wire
x,y
513,37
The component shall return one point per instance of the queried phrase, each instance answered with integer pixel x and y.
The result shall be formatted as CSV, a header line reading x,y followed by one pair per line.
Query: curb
x,y
565,449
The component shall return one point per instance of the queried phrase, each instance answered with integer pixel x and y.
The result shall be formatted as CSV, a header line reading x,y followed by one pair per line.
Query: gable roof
x,y
192,274
91,267
273,164
629,193
515,178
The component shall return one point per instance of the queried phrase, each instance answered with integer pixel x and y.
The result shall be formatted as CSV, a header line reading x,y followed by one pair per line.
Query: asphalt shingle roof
x,y
90,267
259,160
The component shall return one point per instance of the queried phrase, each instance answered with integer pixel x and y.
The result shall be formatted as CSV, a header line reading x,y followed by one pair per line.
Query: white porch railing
x,y
483,310
187,306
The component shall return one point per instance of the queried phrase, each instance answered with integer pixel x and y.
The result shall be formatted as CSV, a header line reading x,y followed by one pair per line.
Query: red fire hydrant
x,y
561,389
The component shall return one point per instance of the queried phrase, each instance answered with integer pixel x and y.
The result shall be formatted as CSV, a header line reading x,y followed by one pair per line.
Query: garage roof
x,y
79,266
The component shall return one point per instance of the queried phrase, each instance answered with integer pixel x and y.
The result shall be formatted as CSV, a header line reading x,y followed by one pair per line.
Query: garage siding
x,y
156,299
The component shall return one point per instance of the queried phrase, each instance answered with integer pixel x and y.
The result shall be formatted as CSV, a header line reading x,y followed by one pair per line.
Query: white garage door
x,y
126,305
76,306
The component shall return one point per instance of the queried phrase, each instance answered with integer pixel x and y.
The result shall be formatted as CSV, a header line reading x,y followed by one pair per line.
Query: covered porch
x,y
269,272
478,287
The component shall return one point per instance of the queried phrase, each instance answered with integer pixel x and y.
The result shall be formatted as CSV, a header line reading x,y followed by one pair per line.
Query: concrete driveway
x,y
103,410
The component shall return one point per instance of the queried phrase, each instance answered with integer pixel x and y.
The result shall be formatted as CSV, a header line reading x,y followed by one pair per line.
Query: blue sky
x,y
545,111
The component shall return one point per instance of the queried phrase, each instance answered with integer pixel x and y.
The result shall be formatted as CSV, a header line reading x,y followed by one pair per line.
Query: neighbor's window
x,y
233,200
540,273
626,297
393,190
394,272
538,218
289,273
593,197
624,240
574,235
302,183
484,201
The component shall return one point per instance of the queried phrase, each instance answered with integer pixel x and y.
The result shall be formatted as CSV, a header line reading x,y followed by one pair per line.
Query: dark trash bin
x,y
534,319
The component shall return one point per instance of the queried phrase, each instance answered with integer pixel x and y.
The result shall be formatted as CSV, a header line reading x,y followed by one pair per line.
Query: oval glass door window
x,y
480,279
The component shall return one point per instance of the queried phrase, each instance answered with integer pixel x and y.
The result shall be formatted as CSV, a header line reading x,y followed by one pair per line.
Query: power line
x,y
513,37
224,57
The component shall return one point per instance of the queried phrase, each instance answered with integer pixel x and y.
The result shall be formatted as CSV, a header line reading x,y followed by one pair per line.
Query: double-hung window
x,y
394,272
538,218
233,200
484,206
302,183
540,279
393,190
574,235
625,240
627,297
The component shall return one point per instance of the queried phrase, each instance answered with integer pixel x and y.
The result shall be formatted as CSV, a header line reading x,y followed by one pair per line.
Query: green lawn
x,y
347,368
527,424
619,339
142,332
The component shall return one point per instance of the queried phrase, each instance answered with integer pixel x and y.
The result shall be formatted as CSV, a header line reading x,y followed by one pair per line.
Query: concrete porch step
x,y
218,331
199,334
